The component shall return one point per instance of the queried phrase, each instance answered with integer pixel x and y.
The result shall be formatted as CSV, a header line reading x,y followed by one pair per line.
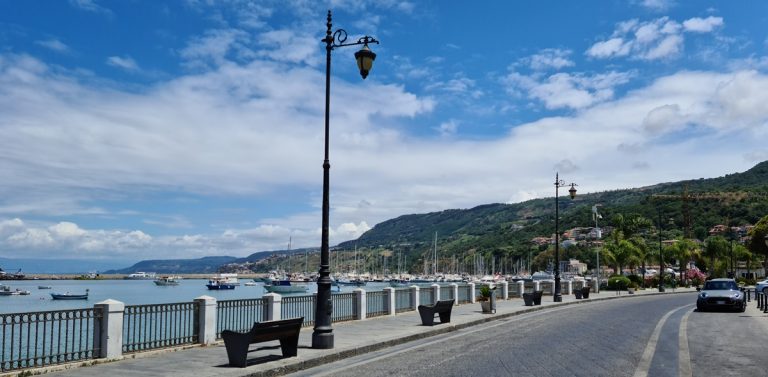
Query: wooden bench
x,y
441,308
286,331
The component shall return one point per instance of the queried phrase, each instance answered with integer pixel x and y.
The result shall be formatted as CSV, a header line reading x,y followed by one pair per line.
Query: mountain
x,y
177,266
506,230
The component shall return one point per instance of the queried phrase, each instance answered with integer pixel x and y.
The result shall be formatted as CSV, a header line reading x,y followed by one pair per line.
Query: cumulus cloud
x,y
550,59
661,38
566,90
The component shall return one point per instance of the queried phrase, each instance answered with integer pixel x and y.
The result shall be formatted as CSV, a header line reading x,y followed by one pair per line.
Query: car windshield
x,y
720,285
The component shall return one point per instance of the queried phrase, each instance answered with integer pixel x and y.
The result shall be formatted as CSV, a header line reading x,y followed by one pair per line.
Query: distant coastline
x,y
121,276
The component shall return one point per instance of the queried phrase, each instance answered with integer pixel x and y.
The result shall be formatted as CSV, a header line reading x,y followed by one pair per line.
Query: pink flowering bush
x,y
695,276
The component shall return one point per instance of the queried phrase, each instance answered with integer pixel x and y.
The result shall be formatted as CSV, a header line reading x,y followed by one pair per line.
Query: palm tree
x,y
715,247
620,251
684,250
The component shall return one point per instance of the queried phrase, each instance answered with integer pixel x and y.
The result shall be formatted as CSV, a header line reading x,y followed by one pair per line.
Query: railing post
x,y
505,290
389,298
536,285
472,293
415,297
436,292
362,304
569,287
109,332
274,306
455,288
206,316
520,287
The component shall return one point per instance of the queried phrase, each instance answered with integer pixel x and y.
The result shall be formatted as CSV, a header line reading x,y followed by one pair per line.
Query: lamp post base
x,y
558,297
322,340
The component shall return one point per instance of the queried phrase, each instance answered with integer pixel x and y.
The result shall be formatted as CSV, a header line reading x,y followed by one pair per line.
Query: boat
x,y
219,283
250,284
164,281
70,296
44,287
350,282
6,276
139,275
6,291
284,286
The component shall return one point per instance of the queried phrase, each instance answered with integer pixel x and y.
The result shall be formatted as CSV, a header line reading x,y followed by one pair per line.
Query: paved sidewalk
x,y
351,338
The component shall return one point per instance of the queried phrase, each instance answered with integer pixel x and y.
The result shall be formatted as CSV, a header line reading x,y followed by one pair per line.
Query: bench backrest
x,y
443,304
284,327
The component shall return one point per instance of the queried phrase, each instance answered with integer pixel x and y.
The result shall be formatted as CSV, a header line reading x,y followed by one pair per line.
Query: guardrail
x,y
30,340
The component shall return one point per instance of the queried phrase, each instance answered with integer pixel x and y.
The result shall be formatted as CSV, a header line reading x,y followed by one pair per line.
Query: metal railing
x,y
147,327
403,300
446,292
239,315
47,338
465,294
376,304
344,307
300,306
426,296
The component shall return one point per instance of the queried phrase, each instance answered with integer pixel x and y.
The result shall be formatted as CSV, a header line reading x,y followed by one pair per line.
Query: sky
x,y
140,129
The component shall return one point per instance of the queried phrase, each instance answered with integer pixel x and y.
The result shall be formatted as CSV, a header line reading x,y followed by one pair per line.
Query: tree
x,y
715,247
620,251
757,240
684,250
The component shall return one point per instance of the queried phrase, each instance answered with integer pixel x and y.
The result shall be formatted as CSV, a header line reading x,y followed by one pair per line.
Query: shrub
x,y
637,279
618,283
485,293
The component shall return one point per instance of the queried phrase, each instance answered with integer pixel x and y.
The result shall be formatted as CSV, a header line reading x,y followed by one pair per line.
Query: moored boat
x,y
44,287
166,281
284,286
70,296
139,275
219,283
6,291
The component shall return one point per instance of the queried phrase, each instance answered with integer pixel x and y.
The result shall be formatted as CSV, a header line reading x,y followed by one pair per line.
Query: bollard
x,y
749,294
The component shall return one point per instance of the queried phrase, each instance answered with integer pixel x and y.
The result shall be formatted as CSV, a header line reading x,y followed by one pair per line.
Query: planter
x,y
486,307
631,290
528,299
578,294
537,297
585,292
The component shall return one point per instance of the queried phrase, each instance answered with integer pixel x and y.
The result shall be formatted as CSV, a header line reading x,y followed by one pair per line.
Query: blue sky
x,y
179,129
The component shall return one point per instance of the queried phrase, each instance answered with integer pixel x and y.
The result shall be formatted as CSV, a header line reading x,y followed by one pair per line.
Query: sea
x,y
130,292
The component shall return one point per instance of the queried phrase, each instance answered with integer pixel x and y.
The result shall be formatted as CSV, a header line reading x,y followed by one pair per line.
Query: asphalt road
x,y
643,336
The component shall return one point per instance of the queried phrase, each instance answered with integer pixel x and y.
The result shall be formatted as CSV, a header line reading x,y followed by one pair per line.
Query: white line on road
x,y
684,356
645,362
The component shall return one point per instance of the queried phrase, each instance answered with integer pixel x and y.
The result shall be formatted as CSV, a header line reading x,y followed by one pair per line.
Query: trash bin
x,y
577,292
585,292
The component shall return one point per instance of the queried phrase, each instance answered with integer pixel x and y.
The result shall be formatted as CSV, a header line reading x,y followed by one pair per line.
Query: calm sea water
x,y
130,292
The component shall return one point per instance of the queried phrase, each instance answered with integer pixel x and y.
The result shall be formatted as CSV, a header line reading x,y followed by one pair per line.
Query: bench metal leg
x,y
289,346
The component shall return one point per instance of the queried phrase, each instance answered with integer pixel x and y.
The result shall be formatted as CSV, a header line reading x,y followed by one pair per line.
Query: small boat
x,y
350,282
250,284
139,275
6,291
44,287
284,286
219,283
70,296
165,281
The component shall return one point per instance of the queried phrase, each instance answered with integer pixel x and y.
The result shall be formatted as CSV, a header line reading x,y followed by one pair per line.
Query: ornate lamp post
x,y
322,337
661,258
558,297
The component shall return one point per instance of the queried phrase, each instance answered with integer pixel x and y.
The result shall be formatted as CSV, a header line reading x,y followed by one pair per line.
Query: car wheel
x,y
699,308
765,290
744,307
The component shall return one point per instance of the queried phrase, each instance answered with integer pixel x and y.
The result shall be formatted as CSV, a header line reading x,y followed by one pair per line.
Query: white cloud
x,y
125,63
702,25
661,38
54,45
550,59
564,90
90,6
657,5
448,128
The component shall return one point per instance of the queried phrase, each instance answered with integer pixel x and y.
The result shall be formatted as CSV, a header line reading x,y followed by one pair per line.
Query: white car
x,y
762,286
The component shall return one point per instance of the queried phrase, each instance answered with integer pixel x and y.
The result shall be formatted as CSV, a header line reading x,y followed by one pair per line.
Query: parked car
x,y
721,293
762,286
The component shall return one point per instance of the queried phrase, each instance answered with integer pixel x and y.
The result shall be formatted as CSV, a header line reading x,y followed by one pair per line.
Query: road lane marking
x,y
684,356
650,349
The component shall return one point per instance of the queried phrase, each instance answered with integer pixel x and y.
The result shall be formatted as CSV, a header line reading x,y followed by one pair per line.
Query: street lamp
x,y
661,257
322,336
572,191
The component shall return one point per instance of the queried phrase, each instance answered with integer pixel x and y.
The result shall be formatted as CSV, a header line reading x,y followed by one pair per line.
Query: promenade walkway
x,y
351,338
